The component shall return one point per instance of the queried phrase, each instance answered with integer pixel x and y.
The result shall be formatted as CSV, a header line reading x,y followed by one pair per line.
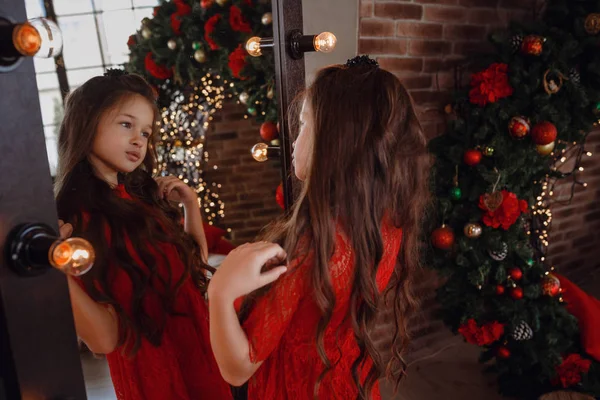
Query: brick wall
x,y
247,186
421,41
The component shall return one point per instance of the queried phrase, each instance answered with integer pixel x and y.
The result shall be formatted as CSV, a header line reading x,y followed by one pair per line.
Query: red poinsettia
x,y
505,215
237,61
209,28
569,372
237,21
182,7
481,335
490,85
155,11
157,71
131,41
176,24
206,3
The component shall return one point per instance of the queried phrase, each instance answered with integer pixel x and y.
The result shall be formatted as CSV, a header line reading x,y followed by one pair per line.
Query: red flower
x,y
206,3
155,12
209,28
182,7
237,61
490,85
131,41
569,372
508,212
157,71
481,336
176,24
237,21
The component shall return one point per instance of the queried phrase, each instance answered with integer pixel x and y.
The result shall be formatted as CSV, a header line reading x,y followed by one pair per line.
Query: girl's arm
x,y
97,325
229,341
173,189
239,274
193,225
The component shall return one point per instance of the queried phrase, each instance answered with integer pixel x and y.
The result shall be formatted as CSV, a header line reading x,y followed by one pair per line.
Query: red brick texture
x,y
247,186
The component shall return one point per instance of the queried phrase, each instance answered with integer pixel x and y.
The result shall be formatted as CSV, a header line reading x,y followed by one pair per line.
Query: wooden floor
x,y
447,369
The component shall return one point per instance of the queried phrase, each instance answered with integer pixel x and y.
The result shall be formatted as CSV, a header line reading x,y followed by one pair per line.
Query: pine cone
x,y
574,76
522,332
515,42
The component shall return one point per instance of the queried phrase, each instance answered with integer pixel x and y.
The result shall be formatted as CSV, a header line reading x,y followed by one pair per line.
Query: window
x,y
95,34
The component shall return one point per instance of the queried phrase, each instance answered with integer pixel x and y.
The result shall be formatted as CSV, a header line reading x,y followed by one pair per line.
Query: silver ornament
x,y
244,97
172,44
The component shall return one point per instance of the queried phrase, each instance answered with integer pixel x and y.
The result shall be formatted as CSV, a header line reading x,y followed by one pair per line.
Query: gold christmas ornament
x,y
545,149
146,33
473,230
200,56
488,151
592,24
552,84
222,3
267,19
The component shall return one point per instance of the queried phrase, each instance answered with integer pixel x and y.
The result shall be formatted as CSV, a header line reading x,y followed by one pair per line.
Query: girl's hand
x,y
241,271
66,230
173,189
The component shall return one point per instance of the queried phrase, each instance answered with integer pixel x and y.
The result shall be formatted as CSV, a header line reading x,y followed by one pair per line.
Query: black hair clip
x,y
361,61
115,72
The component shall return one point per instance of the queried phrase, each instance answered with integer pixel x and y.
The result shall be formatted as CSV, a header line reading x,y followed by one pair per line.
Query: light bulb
x,y
253,47
38,37
325,42
74,256
259,152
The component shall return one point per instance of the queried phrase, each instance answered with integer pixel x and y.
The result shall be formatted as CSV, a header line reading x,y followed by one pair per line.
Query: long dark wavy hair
x,y
369,160
93,207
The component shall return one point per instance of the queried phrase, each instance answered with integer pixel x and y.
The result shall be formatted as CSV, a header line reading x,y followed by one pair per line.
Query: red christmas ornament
x,y
516,293
532,45
268,131
472,157
442,238
503,353
550,285
206,3
518,127
544,133
515,273
500,290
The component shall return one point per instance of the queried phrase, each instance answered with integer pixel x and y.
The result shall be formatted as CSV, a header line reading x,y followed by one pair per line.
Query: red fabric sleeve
x,y
587,311
273,312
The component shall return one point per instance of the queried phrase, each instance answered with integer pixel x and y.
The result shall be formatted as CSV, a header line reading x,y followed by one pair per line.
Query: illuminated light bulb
x,y
585,184
563,159
589,153
253,46
581,169
325,42
259,152
39,37
74,256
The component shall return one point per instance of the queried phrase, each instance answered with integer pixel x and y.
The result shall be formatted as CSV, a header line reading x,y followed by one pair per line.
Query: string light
x,y
185,121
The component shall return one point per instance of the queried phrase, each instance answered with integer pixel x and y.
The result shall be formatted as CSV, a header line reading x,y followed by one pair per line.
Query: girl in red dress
x,y
142,304
351,239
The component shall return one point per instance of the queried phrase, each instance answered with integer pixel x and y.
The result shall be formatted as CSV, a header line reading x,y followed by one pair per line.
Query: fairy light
x,y
181,149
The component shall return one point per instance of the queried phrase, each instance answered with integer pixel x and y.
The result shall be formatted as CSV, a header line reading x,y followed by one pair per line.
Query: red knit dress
x,y
281,330
183,367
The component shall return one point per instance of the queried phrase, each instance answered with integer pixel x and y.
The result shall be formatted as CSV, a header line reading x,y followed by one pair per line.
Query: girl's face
x,y
304,143
121,140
